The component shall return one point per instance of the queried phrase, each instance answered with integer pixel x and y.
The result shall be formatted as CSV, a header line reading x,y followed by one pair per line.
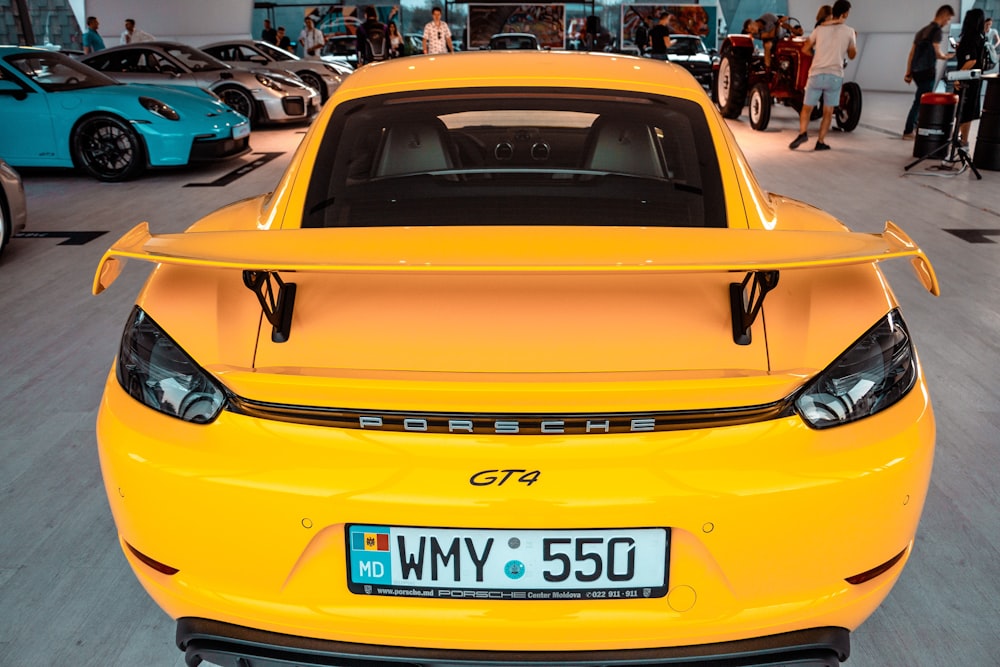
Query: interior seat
x,y
414,147
623,147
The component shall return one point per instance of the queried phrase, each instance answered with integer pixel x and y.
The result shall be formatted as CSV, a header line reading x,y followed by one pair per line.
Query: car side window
x,y
224,53
99,62
126,61
161,64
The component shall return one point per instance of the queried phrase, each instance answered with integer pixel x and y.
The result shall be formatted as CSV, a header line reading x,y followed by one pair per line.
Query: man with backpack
x,y
373,39
921,64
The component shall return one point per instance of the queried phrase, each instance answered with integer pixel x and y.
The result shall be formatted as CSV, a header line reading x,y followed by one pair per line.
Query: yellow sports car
x,y
516,364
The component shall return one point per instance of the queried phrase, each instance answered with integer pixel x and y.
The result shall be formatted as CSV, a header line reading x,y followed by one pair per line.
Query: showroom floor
x,y
67,596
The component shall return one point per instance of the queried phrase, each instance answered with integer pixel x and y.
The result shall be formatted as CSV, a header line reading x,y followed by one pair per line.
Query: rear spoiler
x,y
759,254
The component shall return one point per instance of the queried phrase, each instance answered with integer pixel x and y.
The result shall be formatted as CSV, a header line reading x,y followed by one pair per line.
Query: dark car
x,y
342,48
689,52
514,40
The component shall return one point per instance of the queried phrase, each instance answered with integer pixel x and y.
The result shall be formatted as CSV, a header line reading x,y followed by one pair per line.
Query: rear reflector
x,y
155,564
874,572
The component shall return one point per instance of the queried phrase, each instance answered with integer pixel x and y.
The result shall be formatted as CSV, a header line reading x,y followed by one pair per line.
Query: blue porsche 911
x,y
58,112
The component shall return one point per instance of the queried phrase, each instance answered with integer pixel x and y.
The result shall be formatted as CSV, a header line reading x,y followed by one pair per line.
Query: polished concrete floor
x,y
67,596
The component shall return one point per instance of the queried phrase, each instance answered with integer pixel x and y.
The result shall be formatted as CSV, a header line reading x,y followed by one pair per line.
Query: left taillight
x,y
155,371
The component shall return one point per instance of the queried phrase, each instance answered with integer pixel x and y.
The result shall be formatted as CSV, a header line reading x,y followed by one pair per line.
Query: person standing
x,y
396,43
133,35
828,44
659,38
641,35
311,40
921,64
970,54
283,40
269,34
992,41
372,38
823,15
92,40
437,34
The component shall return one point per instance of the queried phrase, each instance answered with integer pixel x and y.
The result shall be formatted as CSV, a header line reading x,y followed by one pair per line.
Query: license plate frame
x,y
634,563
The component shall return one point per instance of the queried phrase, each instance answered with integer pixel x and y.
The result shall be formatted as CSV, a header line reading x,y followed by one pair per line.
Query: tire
x,y
849,112
731,83
239,100
107,148
314,81
760,107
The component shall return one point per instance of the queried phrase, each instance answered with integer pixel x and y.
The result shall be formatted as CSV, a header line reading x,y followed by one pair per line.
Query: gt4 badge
x,y
500,477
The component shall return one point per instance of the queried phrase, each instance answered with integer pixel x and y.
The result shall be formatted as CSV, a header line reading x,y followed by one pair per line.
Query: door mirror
x,y
11,88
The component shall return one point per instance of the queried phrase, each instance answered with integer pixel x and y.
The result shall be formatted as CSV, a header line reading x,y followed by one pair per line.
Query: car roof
x,y
523,68
7,50
157,44
238,40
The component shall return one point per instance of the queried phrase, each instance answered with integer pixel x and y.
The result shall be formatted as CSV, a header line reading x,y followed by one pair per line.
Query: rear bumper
x,y
234,646
763,518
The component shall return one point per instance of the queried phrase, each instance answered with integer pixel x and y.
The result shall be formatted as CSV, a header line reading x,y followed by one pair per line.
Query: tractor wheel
x,y
760,107
849,112
731,84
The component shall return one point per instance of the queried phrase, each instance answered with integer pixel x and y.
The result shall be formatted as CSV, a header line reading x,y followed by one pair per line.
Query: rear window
x,y
510,157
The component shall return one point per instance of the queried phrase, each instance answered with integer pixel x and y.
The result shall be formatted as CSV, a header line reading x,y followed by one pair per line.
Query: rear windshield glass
x,y
507,157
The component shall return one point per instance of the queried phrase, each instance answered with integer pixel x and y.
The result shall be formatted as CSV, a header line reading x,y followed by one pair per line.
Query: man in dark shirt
x,y
641,36
921,64
769,28
284,42
269,34
373,38
659,38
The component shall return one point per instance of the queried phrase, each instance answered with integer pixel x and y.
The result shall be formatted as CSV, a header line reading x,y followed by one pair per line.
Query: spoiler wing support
x,y
276,304
746,299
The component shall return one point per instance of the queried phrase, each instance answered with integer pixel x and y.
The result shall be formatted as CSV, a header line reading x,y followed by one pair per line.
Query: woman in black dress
x,y
971,47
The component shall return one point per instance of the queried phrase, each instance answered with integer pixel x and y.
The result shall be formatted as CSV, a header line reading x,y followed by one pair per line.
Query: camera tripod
x,y
956,152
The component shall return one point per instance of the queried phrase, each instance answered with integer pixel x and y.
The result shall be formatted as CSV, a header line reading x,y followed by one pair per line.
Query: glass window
x,y
194,59
48,23
55,72
517,157
274,53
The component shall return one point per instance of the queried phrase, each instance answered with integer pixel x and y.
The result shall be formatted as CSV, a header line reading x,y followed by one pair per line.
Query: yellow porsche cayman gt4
x,y
516,364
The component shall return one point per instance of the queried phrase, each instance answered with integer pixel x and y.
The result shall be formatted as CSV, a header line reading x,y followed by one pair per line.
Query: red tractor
x,y
742,73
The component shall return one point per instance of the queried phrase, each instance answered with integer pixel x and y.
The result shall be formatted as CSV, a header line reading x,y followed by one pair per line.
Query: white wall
x,y
191,21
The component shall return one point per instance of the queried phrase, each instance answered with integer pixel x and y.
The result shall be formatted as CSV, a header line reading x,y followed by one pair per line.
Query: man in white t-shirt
x,y
133,35
311,40
437,34
829,44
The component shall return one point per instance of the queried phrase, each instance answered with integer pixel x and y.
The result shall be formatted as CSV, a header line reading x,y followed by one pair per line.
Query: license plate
x,y
508,564
241,130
